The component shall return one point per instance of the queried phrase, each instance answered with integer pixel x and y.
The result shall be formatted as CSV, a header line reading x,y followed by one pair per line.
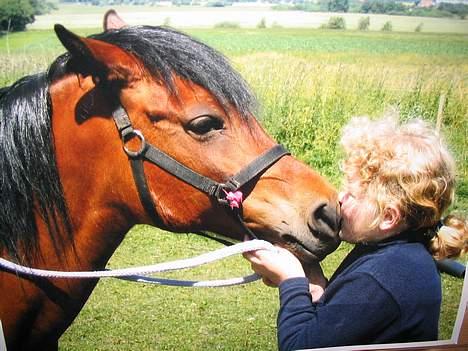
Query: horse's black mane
x,y
29,177
164,51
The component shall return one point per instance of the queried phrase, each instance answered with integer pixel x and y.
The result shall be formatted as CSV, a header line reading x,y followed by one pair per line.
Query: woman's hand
x,y
275,266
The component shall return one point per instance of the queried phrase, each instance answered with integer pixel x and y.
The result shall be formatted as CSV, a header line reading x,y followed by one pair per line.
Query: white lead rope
x,y
138,274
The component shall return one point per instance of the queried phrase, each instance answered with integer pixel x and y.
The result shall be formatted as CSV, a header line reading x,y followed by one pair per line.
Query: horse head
x,y
187,101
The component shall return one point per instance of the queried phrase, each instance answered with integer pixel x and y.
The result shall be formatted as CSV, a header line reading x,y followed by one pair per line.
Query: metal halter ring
x,y
129,136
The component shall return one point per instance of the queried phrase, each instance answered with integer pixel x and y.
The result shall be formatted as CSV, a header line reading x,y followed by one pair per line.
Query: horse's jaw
x,y
297,238
291,205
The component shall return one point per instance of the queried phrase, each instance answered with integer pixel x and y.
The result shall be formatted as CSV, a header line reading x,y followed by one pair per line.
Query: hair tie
x,y
431,232
438,225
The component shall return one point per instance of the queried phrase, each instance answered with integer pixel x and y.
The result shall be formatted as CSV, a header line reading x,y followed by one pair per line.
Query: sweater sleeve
x,y
355,310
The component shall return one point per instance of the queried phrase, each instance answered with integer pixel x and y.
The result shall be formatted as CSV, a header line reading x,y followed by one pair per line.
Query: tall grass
x,y
310,83
306,102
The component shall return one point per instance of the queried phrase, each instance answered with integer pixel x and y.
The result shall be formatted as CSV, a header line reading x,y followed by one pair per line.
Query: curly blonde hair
x,y
408,166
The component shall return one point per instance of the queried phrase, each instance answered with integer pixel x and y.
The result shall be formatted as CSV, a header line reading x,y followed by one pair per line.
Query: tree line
x,y
16,14
389,7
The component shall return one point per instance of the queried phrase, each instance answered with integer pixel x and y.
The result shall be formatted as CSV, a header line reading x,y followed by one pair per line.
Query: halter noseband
x,y
227,193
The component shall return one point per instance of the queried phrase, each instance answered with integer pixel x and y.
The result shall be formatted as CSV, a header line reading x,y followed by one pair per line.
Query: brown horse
x,y
68,193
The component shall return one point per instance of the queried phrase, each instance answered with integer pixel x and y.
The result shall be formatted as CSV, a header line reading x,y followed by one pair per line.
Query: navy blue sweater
x,y
381,293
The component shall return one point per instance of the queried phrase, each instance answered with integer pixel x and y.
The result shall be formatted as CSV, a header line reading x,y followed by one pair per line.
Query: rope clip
x,y
228,194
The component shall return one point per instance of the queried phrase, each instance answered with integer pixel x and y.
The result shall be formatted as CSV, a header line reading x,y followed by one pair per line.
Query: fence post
x,y
8,37
440,112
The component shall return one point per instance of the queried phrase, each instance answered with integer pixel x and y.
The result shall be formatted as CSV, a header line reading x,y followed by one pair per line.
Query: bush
x,y
364,23
387,27
336,22
262,23
227,24
167,22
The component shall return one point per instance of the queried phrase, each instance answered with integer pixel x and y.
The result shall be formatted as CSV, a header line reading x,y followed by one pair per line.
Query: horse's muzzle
x,y
324,223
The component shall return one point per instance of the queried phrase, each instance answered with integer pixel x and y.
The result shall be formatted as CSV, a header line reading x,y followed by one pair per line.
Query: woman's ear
x,y
391,218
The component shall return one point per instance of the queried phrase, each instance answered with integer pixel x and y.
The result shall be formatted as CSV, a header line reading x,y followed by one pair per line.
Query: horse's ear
x,y
97,58
72,42
113,21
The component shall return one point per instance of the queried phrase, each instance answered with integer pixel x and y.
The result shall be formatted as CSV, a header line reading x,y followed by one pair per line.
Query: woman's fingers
x,y
252,256
316,291
275,266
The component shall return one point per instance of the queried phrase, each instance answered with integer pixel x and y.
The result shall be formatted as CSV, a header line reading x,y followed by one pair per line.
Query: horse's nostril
x,y
324,221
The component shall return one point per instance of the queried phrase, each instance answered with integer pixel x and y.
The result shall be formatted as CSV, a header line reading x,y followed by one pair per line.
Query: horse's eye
x,y
205,124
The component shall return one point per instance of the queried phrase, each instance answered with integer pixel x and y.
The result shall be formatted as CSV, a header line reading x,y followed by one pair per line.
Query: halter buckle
x,y
130,135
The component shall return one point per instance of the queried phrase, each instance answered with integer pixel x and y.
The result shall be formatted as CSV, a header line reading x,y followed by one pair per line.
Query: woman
x,y
399,181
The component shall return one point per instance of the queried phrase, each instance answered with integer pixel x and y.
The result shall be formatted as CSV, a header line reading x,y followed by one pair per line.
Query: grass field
x,y
310,82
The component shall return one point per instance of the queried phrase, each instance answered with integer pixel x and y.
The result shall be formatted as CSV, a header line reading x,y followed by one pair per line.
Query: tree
x,y
364,23
338,5
336,23
387,27
42,7
460,10
262,23
15,14
383,6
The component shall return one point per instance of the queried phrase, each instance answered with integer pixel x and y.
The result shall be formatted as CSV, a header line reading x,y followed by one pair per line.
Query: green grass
x,y
310,82
168,318
342,44
127,316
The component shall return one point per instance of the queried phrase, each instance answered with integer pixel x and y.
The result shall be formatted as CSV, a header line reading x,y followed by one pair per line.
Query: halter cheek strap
x,y
227,193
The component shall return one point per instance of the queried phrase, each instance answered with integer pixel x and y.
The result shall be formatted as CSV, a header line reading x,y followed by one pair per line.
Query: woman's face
x,y
358,216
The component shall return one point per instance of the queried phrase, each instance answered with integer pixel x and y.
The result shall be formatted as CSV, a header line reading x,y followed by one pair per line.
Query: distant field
x,y
393,49
309,82
81,16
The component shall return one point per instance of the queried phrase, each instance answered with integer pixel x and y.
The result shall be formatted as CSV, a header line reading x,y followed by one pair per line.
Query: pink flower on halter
x,y
234,198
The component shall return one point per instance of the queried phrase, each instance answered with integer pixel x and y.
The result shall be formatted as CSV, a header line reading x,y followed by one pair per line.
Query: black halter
x,y
226,193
